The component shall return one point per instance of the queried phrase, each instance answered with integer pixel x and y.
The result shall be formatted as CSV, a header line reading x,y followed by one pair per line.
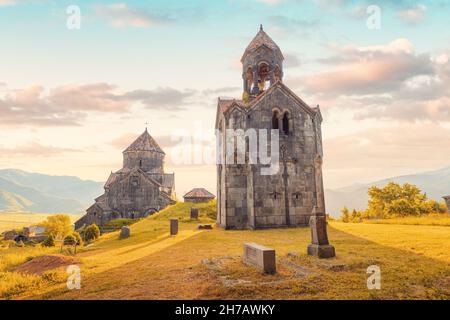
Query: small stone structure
x,y
198,195
447,201
204,227
319,246
260,256
10,235
194,213
125,232
173,227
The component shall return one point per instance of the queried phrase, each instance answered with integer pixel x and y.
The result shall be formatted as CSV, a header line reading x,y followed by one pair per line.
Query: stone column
x,y
320,196
319,247
255,89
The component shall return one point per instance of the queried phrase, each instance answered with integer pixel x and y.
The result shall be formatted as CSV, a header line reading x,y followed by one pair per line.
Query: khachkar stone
x,y
194,213
447,201
173,227
319,246
125,232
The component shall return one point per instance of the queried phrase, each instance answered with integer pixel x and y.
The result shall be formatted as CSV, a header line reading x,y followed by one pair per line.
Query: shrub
x,y
69,240
91,233
49,241
20,244
78,239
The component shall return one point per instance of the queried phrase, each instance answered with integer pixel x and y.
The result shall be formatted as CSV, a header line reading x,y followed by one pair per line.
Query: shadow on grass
x,y
177,272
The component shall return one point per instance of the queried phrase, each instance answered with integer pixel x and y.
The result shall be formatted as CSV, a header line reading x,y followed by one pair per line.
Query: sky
x,y
72,99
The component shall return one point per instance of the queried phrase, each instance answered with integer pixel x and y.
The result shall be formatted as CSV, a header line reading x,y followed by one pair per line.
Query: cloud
x,y
271,2
388,82
121,15
161,98
291,60
4,3
70,104
368,70
35,149
413,15
281,25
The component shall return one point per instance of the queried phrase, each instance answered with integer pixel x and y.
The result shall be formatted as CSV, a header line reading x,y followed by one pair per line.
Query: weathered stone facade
x,y
245,198
137,190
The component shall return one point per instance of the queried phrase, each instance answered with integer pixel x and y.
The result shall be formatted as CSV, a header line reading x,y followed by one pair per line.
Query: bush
x,y
69,240
49,241
79,240
20,244
91,233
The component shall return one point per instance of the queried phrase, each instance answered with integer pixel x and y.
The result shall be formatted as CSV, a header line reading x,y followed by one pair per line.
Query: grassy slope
x,y
150,264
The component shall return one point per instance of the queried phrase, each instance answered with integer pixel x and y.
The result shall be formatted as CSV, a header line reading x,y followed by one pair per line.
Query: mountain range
x,y
434,183
23,191
35,192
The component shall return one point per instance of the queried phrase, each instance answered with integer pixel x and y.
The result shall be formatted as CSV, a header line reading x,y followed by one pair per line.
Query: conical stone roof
x,y
144,142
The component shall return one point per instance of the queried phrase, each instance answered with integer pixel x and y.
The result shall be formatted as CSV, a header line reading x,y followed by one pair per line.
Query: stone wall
x,y
152,162
134,196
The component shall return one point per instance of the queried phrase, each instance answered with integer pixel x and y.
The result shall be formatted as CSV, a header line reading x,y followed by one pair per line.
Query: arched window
x,y
140,163
286,123
275,120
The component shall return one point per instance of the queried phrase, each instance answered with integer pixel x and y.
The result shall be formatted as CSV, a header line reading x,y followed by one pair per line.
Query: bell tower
x,y
262,64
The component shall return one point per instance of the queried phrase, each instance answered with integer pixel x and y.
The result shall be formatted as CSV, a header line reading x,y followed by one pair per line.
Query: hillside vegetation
x,y
207,264
18,220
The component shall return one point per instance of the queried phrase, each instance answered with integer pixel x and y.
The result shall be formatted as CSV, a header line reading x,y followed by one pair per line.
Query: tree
x,y
396,200
79,240
91,233
345,215
356,216
49,241
59,225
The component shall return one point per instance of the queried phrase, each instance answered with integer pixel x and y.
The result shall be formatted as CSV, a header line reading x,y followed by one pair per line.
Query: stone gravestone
x,y
260,256
194,213
319,246
173,227
204,227
125,232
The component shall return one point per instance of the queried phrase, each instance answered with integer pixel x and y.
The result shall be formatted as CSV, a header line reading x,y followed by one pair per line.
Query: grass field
x,y
442,219
414,262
